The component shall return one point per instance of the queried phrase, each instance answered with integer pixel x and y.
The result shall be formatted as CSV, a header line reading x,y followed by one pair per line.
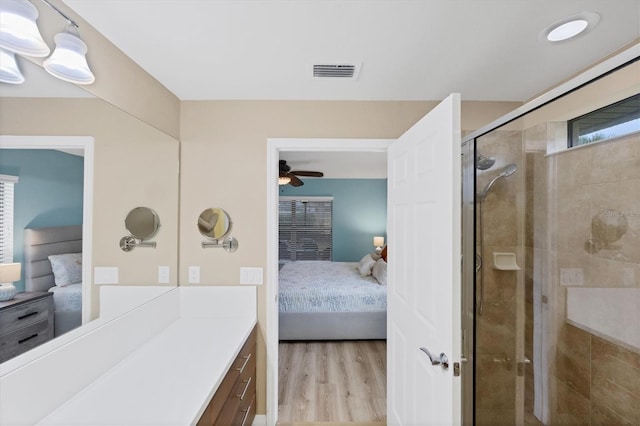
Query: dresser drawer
x,y
243,391
25,314
24,339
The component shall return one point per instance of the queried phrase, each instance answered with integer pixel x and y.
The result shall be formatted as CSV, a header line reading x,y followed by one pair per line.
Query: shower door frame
x,y
468,309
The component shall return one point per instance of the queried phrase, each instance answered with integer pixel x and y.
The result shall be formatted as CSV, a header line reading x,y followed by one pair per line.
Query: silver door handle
x,y
441,360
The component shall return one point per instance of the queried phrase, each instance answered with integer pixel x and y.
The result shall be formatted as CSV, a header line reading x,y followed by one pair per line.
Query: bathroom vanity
x,y
188,358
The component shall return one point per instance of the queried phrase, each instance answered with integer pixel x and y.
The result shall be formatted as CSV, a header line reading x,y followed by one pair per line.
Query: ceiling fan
x,y
290,177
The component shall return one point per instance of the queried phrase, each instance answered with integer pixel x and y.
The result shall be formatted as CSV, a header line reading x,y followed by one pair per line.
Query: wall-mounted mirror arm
x,y
128,243
229,244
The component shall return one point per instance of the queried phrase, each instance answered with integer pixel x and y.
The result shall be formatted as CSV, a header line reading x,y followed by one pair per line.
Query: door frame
x,y
274,147
71,143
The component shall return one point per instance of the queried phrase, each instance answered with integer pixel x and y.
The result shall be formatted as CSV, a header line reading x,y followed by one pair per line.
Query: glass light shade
x,y
18,29
567,30
9,71
283,180
68,61
9,272
378,241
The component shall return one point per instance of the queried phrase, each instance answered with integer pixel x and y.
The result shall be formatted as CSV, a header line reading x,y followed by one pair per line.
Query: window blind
x,y
305,228
6,217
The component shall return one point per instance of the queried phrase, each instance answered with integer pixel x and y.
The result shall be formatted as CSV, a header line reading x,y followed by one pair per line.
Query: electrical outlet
x,y
571,276
251,276
164,274
105,275
194,275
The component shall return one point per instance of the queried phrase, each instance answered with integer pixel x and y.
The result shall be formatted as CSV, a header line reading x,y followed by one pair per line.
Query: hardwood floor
x,y
334,382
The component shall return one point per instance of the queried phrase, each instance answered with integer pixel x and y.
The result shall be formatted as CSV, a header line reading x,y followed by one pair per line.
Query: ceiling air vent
x,y
335,71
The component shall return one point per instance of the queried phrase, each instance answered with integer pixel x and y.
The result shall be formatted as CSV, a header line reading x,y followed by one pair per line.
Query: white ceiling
x,y
408,49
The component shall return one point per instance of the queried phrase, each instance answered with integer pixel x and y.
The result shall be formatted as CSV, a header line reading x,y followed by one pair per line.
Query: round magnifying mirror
x,y
142,223
214,223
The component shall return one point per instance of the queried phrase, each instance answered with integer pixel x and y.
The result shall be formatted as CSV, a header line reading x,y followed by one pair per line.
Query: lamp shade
x,y
9,272
9,71
68,61
18,29
378,241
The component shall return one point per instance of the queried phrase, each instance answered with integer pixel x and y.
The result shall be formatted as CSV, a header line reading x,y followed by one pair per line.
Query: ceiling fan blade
x,y
294,180
307,173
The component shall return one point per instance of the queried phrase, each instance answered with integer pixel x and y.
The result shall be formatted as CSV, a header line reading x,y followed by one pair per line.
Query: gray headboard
x,y
41,243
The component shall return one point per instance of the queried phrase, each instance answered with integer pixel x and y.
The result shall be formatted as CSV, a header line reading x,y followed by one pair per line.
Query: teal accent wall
x,y
48,193
359,212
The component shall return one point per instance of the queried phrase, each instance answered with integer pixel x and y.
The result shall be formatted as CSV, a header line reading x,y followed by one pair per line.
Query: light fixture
x,y
9,71
283,180
378,242
68,61
570,27
9,273
18,29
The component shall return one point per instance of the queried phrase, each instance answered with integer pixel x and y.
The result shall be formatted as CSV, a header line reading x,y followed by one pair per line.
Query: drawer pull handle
x,y
246,361
30,314
246,386
246,414
33,336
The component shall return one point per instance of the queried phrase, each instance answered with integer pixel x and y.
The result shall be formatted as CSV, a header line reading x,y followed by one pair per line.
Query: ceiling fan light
x,y
19,32
283,180
9,71
68,61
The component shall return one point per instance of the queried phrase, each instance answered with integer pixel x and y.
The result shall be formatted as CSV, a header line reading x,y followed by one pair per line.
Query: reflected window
x,y
615,120
6,217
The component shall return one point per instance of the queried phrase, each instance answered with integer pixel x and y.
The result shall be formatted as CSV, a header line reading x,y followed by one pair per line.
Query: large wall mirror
x,y
81,161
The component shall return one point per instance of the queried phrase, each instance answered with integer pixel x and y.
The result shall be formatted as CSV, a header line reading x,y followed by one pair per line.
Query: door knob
x,y
441,360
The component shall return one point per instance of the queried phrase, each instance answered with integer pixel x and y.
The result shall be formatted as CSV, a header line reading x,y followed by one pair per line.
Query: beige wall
x,y
223,164
134,165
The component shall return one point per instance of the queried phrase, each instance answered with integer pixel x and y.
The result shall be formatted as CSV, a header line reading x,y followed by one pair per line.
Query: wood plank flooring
x,y
334,382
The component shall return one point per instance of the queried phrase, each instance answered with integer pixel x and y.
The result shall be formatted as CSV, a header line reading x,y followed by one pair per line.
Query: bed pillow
x,y
67,268
366,265
379,271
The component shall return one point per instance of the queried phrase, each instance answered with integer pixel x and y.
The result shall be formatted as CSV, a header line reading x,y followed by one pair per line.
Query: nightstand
x,y
26,321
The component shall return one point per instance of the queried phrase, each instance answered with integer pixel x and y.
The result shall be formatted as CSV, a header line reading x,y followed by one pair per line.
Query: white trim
x,y
274,147
9,179
70,142
259,420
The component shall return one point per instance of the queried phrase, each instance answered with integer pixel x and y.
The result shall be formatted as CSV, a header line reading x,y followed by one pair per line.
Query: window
x,y
6,217
305,228
618,119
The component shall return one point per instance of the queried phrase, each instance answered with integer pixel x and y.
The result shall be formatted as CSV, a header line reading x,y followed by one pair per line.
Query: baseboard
x,y
260,420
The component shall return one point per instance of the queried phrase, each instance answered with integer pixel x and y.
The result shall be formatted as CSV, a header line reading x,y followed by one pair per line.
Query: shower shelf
x,y
505,262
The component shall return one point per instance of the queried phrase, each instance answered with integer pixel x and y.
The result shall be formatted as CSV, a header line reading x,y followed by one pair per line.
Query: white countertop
x,y
167,381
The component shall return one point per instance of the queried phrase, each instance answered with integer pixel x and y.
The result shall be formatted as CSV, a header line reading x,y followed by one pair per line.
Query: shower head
x,y
484,163
506,171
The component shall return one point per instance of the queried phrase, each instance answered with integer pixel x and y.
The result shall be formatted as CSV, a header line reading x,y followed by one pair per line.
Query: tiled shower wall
x,y
592,381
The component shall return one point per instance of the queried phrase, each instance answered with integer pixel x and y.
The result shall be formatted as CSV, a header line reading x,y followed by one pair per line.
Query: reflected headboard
x,y
41,243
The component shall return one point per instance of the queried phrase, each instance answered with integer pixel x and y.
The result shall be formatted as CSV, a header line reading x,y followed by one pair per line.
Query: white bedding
x,y
322,286
67,298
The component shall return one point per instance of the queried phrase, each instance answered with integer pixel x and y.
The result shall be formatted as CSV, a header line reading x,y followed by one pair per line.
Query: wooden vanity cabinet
x,y
234,401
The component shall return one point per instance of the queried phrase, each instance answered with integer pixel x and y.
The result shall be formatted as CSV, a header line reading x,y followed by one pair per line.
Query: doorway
x,y
82,144
274,150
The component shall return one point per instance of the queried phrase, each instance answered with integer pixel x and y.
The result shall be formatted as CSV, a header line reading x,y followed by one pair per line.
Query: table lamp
x,y
9,273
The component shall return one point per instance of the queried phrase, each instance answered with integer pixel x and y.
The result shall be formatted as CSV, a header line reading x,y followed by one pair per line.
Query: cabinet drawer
x,y
246,413
25,314
25,338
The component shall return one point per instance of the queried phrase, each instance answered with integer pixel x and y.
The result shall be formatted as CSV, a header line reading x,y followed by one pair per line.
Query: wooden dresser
x,y
234,403
26,321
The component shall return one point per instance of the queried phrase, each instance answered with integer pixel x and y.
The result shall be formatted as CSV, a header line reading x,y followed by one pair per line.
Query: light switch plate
x,y
105,275
194,275
164,273
251,276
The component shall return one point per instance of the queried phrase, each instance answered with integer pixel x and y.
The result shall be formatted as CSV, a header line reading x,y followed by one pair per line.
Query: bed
x,y
41,243
323,300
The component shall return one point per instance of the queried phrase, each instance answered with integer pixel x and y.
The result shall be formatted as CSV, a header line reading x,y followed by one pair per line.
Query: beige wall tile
x,y
615,160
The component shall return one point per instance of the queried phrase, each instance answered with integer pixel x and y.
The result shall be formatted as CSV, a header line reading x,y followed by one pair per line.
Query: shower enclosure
x,y
552,300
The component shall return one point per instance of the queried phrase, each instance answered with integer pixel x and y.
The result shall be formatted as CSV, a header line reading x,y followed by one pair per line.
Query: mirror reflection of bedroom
x,y
332,287
41,194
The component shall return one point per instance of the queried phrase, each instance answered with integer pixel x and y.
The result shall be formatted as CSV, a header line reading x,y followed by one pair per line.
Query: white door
x,y
424,192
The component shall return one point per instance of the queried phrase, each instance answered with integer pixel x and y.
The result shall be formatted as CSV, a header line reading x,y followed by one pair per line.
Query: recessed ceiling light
x,y
570,27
